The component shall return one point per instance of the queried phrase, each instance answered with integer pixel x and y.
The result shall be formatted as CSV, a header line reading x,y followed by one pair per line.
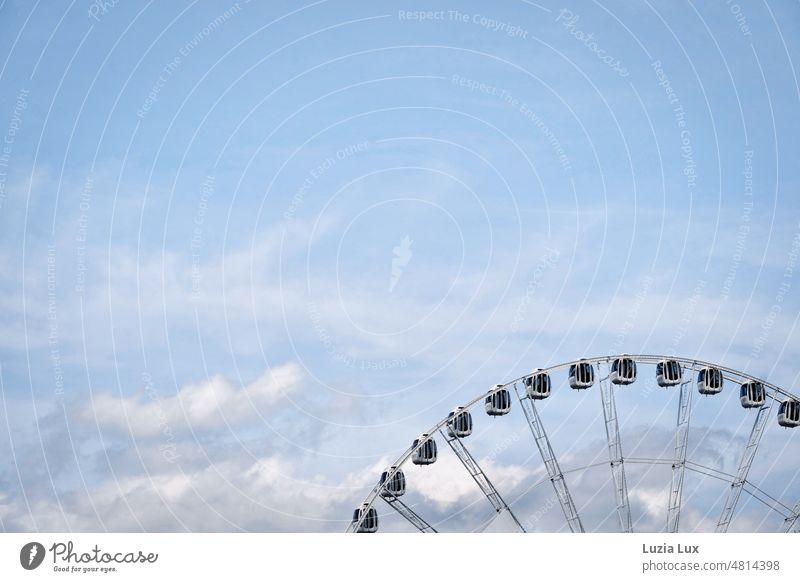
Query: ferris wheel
x,y
611,374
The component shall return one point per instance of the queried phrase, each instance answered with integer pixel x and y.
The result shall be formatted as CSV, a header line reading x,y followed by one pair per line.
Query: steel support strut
x,y
480,477
744,466
615,453
679,462
551,463
410,515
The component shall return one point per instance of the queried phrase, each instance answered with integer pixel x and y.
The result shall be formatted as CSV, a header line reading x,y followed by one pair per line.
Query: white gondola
x,y
370,522
498,402
424,450
709,381
394,486
459,423
581,375
752,394
538,385
623,371
669,373
789,413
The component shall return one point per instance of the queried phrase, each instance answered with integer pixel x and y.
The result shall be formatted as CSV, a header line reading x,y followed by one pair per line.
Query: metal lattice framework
x,y
615,456
551,464
679,463
475,471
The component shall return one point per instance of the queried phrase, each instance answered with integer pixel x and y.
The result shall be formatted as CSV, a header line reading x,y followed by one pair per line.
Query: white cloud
x,y
447,483
240,493
210,404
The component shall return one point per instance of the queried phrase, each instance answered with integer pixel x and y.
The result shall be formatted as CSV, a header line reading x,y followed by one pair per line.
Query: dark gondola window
x,y
669,372
753,392
498,402
624,369
581,375
709,381
791,410
461,423
538,385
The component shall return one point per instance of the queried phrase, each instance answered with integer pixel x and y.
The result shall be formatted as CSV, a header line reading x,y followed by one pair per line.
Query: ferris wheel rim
x,y
688,363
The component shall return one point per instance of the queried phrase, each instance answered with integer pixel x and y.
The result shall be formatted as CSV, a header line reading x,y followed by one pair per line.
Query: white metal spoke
x,y
615,453
551,463
410,515
679,463
744,466
480,477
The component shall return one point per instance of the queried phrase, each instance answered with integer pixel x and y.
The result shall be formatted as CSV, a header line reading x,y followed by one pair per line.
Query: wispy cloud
x,y
204,405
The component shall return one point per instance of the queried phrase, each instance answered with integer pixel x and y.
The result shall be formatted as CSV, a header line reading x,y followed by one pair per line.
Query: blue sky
x,y
249,250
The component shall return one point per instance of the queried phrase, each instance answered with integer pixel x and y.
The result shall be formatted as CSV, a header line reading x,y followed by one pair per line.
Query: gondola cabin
x,y
393,486
623,371
752,394
789,413
459,423
424,450
581,375
498,402
709,381
537,385
669,373
370,522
